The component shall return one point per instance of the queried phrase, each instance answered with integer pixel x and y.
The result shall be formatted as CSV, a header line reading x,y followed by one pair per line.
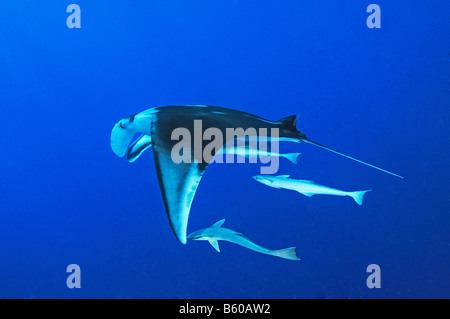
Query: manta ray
x,y
179,181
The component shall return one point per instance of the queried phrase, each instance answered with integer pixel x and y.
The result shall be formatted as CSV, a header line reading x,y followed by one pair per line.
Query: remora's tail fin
x,y
358,196
288,253
307,140
292,157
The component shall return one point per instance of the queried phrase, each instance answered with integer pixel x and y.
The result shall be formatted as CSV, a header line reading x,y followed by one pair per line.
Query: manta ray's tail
x,y
288,253
307,140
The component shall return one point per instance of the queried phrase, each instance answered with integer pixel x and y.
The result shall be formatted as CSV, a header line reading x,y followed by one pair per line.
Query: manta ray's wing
x,y
178,183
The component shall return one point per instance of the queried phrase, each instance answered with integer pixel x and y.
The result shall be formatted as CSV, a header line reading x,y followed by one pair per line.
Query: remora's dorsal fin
x,y
307,140
289,123
135,150
215,244
218,224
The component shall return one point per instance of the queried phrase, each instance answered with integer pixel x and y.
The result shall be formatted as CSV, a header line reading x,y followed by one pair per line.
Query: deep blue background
x,y
380,95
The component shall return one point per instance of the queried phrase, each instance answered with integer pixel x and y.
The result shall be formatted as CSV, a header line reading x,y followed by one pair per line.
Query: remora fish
x,y
254,153
179,182
144,142
307,188
216,232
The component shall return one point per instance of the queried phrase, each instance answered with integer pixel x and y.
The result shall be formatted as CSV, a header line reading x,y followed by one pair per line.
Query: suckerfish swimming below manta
x,y
307,188
179,181
215,233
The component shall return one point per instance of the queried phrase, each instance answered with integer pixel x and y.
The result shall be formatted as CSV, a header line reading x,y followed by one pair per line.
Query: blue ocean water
x,y
381,95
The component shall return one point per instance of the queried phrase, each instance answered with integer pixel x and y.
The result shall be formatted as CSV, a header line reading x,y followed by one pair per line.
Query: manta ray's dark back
x,y
179,181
